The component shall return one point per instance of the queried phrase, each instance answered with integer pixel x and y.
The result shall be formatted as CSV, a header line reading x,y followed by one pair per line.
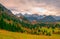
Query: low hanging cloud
x,y
53,6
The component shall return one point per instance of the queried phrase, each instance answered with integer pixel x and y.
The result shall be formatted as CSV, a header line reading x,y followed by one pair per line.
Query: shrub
x,y
48,34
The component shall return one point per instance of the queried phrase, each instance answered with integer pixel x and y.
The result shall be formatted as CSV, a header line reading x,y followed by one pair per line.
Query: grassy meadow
x,y
14,35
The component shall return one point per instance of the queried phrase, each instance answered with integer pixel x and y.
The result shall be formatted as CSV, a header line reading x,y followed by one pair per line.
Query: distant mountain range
x,y
40,18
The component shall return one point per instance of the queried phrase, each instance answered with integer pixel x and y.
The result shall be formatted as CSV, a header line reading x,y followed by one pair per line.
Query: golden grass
x,y
14,35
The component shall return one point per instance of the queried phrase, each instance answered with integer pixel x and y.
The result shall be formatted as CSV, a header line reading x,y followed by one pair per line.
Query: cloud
x,y
54,3
26,5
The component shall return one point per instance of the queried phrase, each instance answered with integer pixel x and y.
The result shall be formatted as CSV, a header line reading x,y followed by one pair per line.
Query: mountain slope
x,y
48,19
4,9
8,13
8,21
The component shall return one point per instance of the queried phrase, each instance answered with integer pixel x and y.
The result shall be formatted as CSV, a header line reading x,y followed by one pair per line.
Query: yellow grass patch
x,y
14,35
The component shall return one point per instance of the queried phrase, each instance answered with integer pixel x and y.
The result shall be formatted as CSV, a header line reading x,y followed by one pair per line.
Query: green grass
x,y
14,35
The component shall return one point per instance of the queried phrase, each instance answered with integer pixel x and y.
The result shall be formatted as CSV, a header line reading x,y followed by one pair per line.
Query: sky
x,y
41,7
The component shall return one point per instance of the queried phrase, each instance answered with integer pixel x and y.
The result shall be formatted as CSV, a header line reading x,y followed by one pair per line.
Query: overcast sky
x,y
42,7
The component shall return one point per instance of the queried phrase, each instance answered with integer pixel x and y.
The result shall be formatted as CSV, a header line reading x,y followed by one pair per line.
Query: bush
x,y
48,34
